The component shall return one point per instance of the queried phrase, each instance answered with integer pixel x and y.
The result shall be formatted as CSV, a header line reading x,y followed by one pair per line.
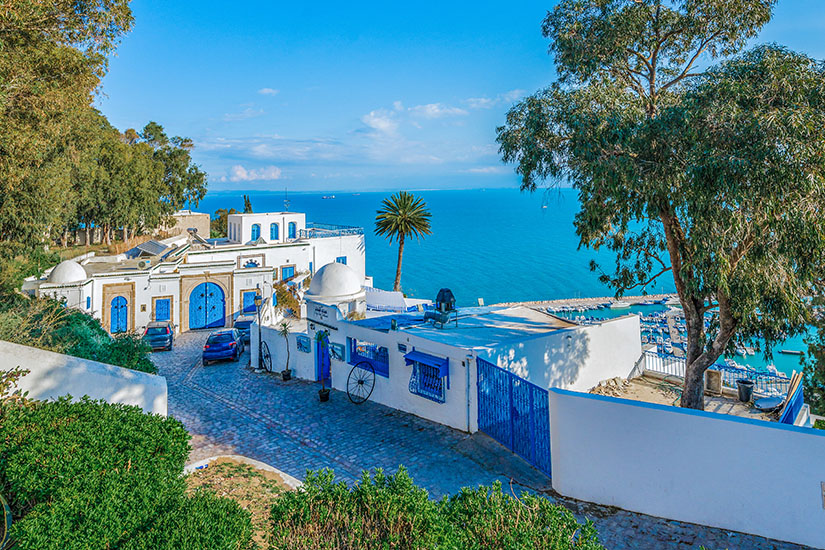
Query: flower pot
x,y
323,395
286,375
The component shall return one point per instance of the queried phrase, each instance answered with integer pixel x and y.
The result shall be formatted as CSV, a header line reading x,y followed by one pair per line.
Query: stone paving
x,y
230,409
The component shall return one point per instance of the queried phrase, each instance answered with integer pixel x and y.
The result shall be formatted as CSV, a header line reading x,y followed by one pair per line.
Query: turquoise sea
x,y
501,245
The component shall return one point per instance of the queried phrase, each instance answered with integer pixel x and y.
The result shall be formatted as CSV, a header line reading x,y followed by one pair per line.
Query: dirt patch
x,y
254,489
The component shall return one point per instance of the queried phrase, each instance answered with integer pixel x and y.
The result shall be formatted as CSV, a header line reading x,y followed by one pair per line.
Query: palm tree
x,y
400,216
284,330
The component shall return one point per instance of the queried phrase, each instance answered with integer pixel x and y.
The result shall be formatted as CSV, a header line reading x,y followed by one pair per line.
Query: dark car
x,y
159,335
244,323
223,344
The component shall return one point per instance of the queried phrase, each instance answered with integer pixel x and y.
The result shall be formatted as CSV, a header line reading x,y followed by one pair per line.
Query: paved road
x,y
230,409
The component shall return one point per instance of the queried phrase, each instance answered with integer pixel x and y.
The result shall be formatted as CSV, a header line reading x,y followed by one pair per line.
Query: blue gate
x,y
119,320
163,309
207,307
322,359
515,413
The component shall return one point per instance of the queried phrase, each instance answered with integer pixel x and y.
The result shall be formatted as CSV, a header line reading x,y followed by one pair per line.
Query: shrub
x,y
391,512
380,511
90,475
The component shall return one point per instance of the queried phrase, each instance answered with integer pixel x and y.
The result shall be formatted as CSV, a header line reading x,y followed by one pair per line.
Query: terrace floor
x,y
230,409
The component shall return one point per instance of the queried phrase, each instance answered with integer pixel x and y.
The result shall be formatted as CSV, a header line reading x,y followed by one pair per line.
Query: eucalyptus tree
x,y
400,216
714,176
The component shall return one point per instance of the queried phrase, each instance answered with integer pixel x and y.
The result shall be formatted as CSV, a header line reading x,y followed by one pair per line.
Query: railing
x,y
321,230
426,382
765,383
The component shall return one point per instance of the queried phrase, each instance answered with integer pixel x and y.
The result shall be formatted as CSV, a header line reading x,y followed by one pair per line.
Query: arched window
x,y
256,231
292,229
273,232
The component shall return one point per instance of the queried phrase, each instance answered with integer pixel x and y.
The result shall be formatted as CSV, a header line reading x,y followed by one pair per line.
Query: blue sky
x,y
320,96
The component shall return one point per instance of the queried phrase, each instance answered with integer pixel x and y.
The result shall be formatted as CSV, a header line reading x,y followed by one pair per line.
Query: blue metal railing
x,y
426,382
321,230
765,383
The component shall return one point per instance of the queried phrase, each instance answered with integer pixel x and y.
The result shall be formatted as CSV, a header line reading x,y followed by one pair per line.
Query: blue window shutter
x,y
89,300
256,231
311,271
292,230
341,260
273,232
287,272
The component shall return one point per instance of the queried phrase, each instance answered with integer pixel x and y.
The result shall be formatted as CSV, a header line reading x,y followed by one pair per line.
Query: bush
x,y
391,512
89,475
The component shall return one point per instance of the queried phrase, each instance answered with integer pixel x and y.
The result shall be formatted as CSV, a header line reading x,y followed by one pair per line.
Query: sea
x,y
498,245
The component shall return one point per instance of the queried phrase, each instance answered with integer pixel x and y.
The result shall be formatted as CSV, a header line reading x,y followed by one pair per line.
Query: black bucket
x,y
745,388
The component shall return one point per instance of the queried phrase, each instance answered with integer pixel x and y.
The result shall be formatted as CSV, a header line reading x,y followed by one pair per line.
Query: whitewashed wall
x,y
723,471
325,250
53,375
576,358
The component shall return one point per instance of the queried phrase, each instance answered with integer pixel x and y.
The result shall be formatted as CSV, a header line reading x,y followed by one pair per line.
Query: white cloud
x,y
436,110
268,91
247,113
381,121
239,173
397,105
480,102
488,170
490,102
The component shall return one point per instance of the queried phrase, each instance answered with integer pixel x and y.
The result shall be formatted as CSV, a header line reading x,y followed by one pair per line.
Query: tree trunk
x,y
64,238
397,285
286,338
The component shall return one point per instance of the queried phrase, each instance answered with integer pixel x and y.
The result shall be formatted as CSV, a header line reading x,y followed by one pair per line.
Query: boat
x,y
740,350
674,302
329,196
791,352
619,305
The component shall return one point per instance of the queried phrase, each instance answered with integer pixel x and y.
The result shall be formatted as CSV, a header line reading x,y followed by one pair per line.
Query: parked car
x,y
159,335
223,344
244,323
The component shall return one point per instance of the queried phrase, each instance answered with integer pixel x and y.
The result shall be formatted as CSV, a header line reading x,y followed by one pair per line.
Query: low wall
x,y
53,375
746,475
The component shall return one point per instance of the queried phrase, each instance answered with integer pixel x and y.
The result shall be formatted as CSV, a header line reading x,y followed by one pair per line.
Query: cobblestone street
x,y
230,409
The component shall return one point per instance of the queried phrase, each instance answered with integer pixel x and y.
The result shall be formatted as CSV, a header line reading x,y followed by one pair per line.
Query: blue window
x,y
163,309
293,230
341,260
426,382
287,272
303,343
251,263
273,232
311,271
377,356
89,301
249,301
256,231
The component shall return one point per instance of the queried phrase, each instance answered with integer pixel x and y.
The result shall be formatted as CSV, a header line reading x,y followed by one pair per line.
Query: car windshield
x,y
243,324
156,331
220,338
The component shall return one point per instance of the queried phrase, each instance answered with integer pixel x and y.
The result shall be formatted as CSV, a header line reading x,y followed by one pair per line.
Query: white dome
x,y
334,280
67,271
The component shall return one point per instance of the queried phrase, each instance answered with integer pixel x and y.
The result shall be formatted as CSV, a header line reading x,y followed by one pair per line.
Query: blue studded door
x,y
207,307
163,309
119,315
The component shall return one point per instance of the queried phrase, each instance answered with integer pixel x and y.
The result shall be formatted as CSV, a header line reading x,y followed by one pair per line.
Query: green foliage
x,y
400,216
247,205
389,511
819,424
89,475
286,300
715,176
47,324
814,371
218,224
17,262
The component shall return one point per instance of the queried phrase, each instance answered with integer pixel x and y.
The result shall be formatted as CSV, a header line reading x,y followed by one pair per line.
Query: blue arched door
x,y
119,315
207,307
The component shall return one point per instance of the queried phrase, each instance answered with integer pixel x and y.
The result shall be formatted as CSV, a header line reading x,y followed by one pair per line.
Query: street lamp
x,y
258,301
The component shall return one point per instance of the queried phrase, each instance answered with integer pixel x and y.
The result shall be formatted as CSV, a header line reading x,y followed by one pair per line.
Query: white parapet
x,y
52,375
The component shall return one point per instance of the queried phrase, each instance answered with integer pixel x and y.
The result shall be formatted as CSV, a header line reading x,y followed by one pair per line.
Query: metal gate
x,y
207,307
118,315
515,413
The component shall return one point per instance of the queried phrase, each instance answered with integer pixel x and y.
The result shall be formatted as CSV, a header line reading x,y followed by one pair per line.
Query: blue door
x,y
249,301
163,309
287,273
322,360
514,412
207,307
119,315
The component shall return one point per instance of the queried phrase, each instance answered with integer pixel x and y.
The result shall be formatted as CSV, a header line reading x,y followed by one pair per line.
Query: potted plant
x,y
283,330
322,346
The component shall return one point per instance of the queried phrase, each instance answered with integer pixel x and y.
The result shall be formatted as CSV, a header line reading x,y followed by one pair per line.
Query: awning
x,y
441,363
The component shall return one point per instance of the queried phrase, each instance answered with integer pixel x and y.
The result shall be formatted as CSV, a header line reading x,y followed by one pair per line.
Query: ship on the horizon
x,y
329,196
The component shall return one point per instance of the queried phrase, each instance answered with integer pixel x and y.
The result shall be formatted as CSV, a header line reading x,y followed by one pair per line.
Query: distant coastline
x,y
586,301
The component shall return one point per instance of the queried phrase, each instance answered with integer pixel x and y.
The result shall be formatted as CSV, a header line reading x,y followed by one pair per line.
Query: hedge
x,y
389,511
90,475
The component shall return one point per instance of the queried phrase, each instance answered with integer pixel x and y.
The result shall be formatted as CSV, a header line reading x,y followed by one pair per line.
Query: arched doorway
x,y
207,307
119,315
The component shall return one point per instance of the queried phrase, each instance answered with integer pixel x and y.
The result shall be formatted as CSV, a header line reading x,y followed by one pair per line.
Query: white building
x,y
433,371
201,283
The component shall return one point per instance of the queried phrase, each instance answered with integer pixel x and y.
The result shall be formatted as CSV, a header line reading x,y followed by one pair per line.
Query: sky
x,y
334,96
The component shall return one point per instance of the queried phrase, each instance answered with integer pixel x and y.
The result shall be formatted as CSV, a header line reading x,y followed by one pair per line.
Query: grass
x,y
253,489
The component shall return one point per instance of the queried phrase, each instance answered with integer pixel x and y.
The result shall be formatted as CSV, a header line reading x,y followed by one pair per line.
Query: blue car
x,y
223,344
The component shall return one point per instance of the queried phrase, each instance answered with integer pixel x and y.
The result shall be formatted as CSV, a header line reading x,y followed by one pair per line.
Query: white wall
x,y
326,249
723,471
53,375
574,359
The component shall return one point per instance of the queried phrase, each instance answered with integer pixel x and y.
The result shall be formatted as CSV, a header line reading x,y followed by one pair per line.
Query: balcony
x,y
321,230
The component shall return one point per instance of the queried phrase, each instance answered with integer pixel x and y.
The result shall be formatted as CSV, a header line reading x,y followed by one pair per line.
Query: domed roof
x,y
334,280
67,271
